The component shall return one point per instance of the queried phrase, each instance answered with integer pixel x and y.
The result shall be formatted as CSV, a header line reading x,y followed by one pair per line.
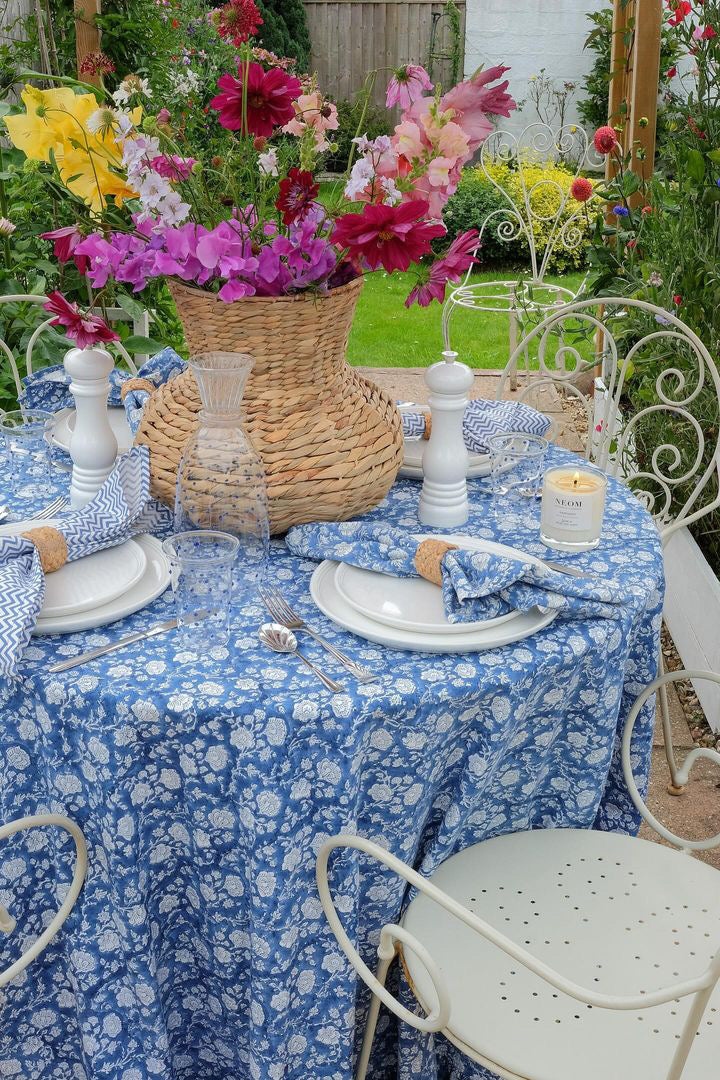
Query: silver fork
x,y
281,612
53,508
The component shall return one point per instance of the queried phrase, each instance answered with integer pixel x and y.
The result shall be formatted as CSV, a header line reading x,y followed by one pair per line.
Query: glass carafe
x,y
221,479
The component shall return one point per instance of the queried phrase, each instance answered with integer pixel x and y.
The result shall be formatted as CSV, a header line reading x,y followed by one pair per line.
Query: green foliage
x,y
350,113
285,30
476,198
665,251
593,108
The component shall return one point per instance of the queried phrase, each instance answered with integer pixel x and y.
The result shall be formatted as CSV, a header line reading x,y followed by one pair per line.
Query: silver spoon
x,y
280,639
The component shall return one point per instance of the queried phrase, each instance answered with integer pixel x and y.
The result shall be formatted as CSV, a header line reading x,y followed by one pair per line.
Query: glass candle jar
x,y
573,506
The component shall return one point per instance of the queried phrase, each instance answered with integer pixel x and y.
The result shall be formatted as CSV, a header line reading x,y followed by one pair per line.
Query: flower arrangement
x,y
249,220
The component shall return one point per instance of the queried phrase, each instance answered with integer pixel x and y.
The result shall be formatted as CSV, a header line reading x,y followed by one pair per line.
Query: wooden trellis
x,y
634,78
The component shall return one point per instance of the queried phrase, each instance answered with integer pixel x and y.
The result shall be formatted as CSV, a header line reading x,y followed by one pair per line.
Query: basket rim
x,y
295,298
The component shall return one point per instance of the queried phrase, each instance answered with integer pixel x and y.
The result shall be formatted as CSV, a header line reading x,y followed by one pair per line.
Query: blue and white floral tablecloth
x,y
198,949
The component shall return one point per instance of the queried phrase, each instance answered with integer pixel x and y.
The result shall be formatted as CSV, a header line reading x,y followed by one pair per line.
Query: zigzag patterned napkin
x,y
476,585
119,510
485,418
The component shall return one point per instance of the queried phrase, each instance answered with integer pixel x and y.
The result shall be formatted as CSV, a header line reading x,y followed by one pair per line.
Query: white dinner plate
x,y
151,584
93,581
325,594
412,461
65,422
410,603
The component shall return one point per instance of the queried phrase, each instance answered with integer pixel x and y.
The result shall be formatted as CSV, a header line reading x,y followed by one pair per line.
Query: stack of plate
x,y
64,424
102,587
412,461
408,613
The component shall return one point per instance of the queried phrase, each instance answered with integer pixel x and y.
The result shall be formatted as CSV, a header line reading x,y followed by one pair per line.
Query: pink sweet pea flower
x,y
83,329
407,85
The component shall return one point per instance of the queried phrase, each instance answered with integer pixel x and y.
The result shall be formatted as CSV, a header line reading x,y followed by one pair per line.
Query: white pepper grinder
x,y
444,499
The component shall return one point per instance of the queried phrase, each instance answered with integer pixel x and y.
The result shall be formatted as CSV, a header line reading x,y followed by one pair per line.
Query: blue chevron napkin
x,y
483,419
476,585
119,510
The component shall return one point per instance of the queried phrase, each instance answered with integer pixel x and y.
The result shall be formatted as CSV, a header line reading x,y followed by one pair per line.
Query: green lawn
x,y
387,334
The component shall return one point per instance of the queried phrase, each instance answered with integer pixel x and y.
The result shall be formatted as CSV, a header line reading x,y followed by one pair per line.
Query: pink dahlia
x,y
388,236
270,97
605,139
407,85
84,329
237,21
297,192
581,189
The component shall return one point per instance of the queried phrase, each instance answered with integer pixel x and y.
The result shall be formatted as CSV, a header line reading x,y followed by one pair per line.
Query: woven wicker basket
x,y
330,440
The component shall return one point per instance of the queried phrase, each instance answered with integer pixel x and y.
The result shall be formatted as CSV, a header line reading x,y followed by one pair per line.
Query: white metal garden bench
x,y
559,953
612,439
8,923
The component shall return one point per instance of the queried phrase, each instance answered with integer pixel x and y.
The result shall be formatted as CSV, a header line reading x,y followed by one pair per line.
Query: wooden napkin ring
x,y
136,384
51,547
429,557
428,426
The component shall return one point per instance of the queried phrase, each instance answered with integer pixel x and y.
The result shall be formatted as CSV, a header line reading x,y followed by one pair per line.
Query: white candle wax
x,y
573,505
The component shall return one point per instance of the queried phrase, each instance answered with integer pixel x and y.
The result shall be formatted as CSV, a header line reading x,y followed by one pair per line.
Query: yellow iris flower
x,y
57,120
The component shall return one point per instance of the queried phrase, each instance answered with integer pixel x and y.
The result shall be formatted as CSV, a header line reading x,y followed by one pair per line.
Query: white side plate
x,y
153,582
411,603
412,461
93,581
65,422
324,591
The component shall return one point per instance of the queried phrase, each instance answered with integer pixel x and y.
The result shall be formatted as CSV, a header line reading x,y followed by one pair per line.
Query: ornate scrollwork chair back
x,y
542,223
140,326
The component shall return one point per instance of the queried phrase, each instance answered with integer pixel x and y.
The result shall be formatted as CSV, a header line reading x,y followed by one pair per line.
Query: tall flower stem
x,y
3,213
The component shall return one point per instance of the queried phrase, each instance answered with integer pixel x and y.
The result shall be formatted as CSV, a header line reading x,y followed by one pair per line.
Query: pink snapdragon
x,y
312,111
407,85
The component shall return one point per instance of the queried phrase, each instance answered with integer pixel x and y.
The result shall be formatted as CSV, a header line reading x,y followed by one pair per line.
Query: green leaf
x,y
696,165
714,155
128,303
138,343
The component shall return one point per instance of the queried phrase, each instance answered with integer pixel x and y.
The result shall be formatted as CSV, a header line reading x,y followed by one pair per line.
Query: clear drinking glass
x,y
202,563
221,478
517,463
27,451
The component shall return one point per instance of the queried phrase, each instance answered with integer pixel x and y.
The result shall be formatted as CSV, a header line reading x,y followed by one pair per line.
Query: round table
x,y
198,949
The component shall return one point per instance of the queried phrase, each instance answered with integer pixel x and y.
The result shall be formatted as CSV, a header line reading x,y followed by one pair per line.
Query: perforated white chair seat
x,y
613,913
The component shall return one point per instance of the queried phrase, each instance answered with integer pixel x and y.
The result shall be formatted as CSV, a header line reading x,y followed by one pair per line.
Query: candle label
x,y
573,513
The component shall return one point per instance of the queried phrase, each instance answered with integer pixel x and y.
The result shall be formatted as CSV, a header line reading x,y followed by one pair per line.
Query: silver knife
x,y
562,568
130,639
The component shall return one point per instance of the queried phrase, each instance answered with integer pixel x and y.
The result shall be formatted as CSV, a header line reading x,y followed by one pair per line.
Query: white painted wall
x,y
528,35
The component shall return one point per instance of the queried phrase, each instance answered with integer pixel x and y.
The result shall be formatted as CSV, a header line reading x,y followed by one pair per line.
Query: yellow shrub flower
x,y
89,163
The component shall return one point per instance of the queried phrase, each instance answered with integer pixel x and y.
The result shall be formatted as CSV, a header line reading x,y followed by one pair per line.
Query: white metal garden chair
x,y
559,954
612,442
538,143
7,922
114,315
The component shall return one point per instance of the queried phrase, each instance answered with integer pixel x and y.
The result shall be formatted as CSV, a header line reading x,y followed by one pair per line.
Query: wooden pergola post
x,y
634,79
87,35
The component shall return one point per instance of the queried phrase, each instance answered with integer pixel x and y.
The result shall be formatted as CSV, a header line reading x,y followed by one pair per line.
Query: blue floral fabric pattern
x,y
49,388
198,949
476,584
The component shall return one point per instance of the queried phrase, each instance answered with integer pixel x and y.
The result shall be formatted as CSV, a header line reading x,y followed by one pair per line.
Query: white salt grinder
x,y
93,446
444,500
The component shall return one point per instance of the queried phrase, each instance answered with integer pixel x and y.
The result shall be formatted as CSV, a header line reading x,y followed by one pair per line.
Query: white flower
x,y
152,188
392,195
184,82
361,175
6,227
268,163
131,84
124,124
101,121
